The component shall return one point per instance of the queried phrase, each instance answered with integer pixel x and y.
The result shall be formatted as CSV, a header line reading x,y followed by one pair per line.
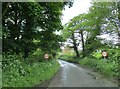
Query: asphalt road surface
x,y
71,75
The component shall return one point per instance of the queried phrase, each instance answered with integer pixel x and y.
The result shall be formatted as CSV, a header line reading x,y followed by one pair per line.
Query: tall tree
x,y
21,21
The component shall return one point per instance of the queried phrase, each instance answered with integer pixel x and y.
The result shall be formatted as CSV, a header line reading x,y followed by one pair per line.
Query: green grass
x,y
104,67
0,57
0,76
24,74
109,69
69,58
0,81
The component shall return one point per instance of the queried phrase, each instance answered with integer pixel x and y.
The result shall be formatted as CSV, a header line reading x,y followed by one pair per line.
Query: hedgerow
x,y
18,72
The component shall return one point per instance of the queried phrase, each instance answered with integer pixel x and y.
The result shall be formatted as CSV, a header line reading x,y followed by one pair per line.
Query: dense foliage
x,y
88,29
102,18
28,32
28,26
109,67
18,72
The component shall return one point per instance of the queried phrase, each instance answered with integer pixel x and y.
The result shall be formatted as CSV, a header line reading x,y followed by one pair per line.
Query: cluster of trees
x,y
102,18
27,26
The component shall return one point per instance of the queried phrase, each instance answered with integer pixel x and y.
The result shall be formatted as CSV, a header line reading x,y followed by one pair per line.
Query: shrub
x,y
106,68
97,55
18,73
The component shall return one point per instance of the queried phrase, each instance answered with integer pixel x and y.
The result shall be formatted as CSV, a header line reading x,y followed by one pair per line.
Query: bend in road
x,y
71,75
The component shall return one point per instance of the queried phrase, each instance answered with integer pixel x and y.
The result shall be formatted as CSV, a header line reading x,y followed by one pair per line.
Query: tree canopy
x,y
31,25
102,17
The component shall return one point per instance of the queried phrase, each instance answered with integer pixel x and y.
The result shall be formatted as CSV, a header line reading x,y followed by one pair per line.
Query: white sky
x,y
79,7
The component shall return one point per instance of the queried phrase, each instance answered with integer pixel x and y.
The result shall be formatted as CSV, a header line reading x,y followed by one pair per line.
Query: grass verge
x,y
22,74
107,68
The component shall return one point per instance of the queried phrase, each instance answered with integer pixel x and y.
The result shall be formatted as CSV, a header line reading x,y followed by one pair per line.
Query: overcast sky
x,y
79,7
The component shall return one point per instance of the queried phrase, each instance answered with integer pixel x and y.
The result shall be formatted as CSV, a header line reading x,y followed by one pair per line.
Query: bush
x,y
69,58
17,73
97,55
106,68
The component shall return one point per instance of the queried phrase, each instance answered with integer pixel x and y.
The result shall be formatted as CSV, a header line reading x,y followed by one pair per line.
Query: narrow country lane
x,y
71,75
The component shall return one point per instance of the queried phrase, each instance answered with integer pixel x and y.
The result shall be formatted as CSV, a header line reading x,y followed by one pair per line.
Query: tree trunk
x,y
26,51
118,5
75,46
5,9
82,39
16,32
